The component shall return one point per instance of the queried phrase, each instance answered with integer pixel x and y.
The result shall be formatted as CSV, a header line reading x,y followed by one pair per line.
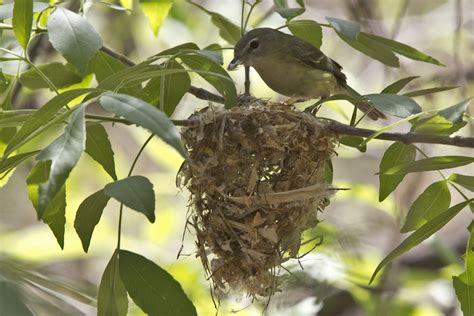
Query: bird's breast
x,y
296,79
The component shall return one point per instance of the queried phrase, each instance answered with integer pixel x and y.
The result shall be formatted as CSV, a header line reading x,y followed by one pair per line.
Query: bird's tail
x,y
364,105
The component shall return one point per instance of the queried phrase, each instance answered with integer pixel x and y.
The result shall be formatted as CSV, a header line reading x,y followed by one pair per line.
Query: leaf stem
x,y
119,233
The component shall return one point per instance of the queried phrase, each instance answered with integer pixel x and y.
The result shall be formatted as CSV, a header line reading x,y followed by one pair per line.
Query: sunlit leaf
x,y
156,11
455,113
153,289
396,154
112,299
23,21
63,153
421,234
88,215
227,30
74,37
397,105
349,29
307,30
398,85
432,202
136,192
432,163
145,115
422,92
435,124
60,75
465,181
99,148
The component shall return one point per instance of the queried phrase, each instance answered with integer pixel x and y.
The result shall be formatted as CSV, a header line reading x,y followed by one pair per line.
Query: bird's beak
x,y
234,63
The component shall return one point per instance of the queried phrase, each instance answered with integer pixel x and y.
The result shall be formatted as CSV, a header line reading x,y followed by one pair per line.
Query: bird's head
x,y
256,44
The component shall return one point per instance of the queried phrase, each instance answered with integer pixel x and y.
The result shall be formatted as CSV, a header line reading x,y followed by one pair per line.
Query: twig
x,y
407,138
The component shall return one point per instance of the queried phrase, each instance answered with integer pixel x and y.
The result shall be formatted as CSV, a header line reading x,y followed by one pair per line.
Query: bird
x,y
295,68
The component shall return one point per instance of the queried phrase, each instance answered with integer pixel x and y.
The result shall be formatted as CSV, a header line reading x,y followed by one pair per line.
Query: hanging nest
x,y
256,177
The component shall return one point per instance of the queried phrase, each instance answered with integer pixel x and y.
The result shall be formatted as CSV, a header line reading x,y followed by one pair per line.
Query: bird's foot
x,y
293,100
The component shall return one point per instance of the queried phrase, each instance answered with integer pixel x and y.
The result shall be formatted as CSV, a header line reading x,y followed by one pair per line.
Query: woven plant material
x,y
256,177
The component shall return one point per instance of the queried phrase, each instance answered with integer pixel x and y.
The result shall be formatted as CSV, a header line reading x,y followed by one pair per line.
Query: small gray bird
x,y
294,67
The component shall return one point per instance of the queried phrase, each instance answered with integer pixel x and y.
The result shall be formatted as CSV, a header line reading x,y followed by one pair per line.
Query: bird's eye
x,y
254,44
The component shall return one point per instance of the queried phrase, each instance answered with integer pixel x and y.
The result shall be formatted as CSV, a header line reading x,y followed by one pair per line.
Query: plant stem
x,y
119,233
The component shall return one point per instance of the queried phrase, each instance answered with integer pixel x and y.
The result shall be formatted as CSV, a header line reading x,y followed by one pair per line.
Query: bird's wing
x,y
312,56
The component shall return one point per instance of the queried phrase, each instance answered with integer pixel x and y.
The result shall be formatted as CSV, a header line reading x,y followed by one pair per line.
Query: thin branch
x,y
408,138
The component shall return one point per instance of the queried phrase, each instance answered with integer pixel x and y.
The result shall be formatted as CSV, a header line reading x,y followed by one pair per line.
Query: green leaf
x,y
465,181
174,88
145,115
307,30
60,75
213,52
13,302
328,171
88,216
99,148
14,161
103,65
455,113
350,33
290,13
469,257
136,192
402,49
435,125
422,92
74,37
465,294
23,21
42,116
421,234
156,11
6,10
350,30
398,85
429,164
153,289
432,202
55,215
63,153
396,154
397,105
227,30
353,141
223,83
112,299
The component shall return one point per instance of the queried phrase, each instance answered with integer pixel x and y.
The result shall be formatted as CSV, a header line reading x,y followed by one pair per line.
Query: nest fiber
x,y
256,177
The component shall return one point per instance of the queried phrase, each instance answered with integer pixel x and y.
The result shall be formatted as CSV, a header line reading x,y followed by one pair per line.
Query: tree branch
x,y
407,138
